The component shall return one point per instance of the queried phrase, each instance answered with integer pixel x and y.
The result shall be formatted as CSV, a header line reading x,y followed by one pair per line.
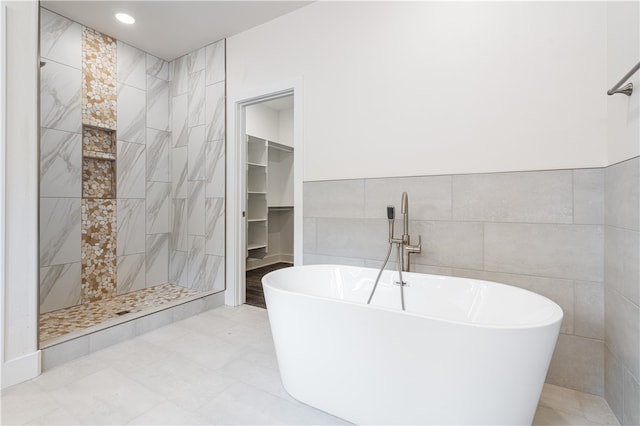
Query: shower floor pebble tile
x,y
218,367
64,321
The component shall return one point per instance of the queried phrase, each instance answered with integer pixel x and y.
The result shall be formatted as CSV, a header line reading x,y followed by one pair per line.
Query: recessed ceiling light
x,y
125,18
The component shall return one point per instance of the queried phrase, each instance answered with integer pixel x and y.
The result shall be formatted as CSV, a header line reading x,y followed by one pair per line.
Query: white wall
x,y
623,52
262,122
286,127
423,88
20,355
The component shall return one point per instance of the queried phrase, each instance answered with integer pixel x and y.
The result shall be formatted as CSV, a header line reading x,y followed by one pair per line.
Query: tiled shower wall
x,y
543,231
143,173
198,168
622,290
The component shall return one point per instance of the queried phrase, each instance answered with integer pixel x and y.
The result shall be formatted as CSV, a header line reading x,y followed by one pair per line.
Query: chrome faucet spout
x,y
404,210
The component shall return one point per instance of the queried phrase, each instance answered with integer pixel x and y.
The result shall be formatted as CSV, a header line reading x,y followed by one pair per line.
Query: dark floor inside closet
x,y
255,295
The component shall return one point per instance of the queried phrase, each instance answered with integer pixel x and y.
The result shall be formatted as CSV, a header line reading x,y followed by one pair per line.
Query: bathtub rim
x,y
556,318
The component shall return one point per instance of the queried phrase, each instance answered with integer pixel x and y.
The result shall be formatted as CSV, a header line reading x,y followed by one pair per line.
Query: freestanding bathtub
x,y
463,352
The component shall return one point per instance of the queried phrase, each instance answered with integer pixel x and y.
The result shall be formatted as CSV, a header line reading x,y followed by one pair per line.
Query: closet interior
x,y
269,198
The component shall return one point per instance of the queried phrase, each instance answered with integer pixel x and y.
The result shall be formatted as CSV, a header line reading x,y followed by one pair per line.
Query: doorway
x,y
266,243
269,192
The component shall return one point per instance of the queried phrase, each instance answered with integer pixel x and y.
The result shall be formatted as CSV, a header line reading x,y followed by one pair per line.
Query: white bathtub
x,y
464,351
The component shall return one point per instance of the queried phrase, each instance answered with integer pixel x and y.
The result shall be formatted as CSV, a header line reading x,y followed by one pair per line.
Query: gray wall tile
x,y
556,251
429,197
344,198
622,264
589,309
622,333
588,196
535,197
452,244
614,385
319,259
578,363
356,238
309,235
622,194
631,404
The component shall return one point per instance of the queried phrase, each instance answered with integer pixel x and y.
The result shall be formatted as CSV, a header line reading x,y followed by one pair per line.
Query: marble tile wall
x,y
157,174
132,94
197,168
622,290
543,231
60,162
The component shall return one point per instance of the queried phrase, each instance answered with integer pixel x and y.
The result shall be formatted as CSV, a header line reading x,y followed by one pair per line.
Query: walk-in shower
x,y
131,178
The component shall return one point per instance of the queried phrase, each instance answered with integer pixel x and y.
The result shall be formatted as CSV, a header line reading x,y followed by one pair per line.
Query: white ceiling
x,y
170,29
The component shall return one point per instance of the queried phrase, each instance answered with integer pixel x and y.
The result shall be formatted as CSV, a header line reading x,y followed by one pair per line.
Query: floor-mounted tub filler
x,y
462,351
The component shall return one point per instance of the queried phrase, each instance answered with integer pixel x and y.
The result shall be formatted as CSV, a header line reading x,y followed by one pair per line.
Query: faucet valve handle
x,y
415,248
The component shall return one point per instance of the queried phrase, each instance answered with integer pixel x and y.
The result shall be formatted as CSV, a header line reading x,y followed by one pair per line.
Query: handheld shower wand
x,y
391,215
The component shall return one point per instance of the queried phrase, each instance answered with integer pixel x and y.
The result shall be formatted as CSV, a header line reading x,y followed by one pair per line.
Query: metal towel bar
x,y
628,88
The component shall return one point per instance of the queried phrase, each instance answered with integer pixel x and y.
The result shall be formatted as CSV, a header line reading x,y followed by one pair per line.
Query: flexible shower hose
x,y
384,264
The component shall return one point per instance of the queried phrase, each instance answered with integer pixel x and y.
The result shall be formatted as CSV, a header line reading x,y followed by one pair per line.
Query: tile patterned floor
x,y
64,321
218,367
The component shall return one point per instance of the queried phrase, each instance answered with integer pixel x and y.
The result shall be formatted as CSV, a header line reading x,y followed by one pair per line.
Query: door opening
x,y
264,181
